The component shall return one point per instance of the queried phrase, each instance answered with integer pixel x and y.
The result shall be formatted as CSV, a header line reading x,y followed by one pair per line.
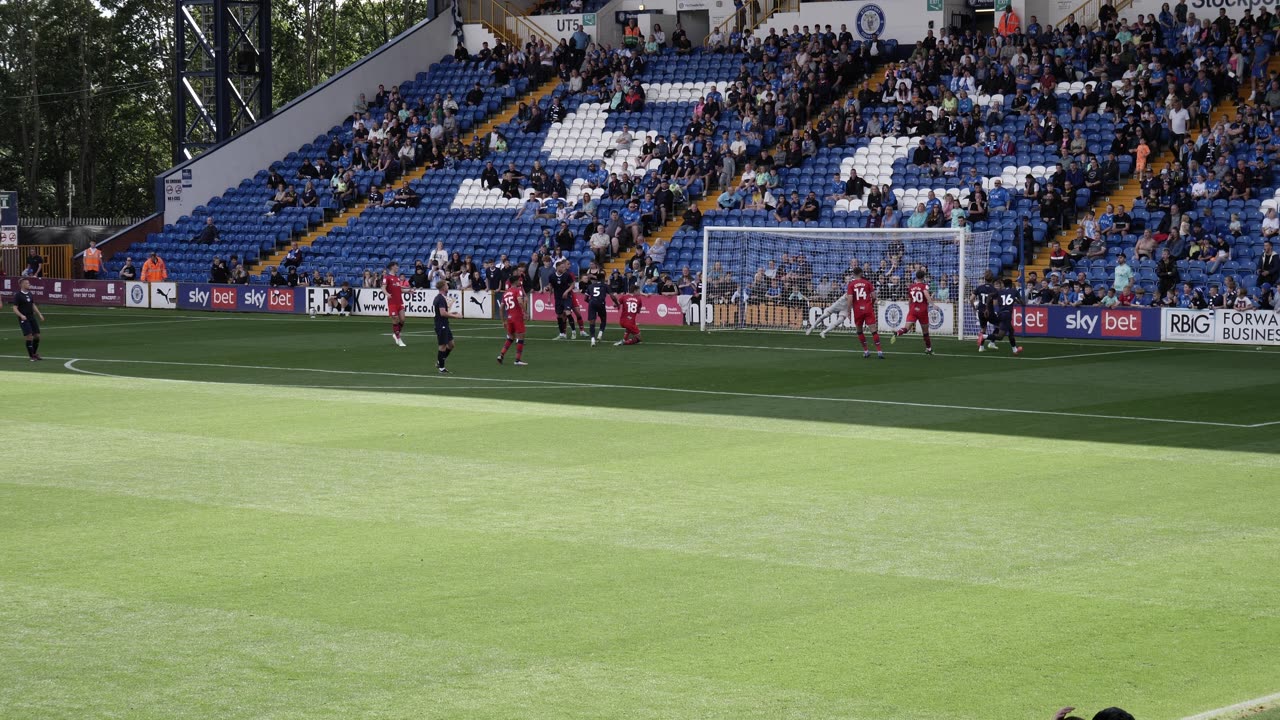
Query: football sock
x,y
446,352
1013,341
561,323
440,356
35,344
519,349
900,332
31,348
928,342
875,337
578,316
593,329
395,328
505,347
862,338
603,323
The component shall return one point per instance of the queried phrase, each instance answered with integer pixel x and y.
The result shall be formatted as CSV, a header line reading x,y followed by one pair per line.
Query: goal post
x,y
779,278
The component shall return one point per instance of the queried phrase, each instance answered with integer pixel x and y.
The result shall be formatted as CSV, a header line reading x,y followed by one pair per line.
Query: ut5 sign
x,y
1074,322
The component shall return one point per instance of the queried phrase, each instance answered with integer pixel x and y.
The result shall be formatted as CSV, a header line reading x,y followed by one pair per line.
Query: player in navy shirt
x,y
562,282
597,293
981,298
24,306
444,336
1002,305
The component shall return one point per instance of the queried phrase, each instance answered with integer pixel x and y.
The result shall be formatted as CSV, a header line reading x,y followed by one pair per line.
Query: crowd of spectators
x,y
783,82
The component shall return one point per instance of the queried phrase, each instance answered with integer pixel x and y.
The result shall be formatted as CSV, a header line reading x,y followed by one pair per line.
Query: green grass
x,y
728,525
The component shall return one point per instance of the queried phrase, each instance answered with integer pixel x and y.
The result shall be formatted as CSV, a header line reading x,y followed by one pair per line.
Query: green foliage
x,y
86,88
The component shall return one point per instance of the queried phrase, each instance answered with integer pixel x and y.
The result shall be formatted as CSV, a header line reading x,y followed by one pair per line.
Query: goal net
x,y
783,279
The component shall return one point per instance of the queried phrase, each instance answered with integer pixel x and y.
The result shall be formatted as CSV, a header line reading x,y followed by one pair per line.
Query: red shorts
x,y
918,314
630,326
864,316
394,310
514,326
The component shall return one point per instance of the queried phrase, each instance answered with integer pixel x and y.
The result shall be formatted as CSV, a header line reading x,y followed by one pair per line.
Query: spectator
x,y
128,272
1123,273
239,276
209,233
419,279
275,279
602,246
1167,272
1270,224
219,274
1268,265
1059,262
1145,248
293,258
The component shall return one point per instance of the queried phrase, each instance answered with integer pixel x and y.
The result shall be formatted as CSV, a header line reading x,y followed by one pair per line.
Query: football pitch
x,y
228,516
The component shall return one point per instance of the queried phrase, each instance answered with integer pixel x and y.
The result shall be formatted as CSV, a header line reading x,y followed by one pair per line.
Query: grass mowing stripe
x,y
71,362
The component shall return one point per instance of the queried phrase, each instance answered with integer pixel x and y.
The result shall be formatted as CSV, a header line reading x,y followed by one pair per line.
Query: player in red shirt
x,y
512,301
862,299
630,306
918,299
395,287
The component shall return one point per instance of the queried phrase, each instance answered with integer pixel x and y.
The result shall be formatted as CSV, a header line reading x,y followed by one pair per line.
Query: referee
x,y
24,306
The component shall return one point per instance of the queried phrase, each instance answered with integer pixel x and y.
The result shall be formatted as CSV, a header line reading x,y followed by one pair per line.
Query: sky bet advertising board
x,y
241,298
1087,323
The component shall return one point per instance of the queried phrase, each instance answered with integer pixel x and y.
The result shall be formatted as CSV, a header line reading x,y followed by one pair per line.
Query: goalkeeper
x,y
840,308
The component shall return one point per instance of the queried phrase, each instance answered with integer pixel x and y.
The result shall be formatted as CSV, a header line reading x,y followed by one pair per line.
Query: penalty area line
x,y
1246,705
680,391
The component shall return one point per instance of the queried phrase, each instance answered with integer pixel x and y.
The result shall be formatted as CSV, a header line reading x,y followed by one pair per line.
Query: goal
x,y
783,278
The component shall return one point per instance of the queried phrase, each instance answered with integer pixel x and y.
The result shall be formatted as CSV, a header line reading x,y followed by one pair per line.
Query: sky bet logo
x,y
255,298
1082,322
279,300
1031,320
223,299
198,297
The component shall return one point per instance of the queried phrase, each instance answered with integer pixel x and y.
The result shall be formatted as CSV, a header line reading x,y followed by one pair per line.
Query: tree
x,y
86,87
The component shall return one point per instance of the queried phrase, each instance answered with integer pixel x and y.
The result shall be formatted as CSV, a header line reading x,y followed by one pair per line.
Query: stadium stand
x,y
248,230
1023,136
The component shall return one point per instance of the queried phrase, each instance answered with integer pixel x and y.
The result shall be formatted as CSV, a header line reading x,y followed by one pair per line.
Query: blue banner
x,y
242,298
1085,323
8,207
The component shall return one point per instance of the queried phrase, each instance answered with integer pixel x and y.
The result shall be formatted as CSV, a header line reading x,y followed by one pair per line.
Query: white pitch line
x,y
732,346
682,391
48,326
1209,714
71,365
1100,354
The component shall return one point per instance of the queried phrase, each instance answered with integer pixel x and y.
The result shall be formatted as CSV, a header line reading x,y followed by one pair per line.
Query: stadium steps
x,y
1125,194
414,175
708,202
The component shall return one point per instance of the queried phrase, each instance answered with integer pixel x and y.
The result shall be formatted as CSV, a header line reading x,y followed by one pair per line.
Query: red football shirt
x,y
918,295
511,302
864,294
630,308
395,287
